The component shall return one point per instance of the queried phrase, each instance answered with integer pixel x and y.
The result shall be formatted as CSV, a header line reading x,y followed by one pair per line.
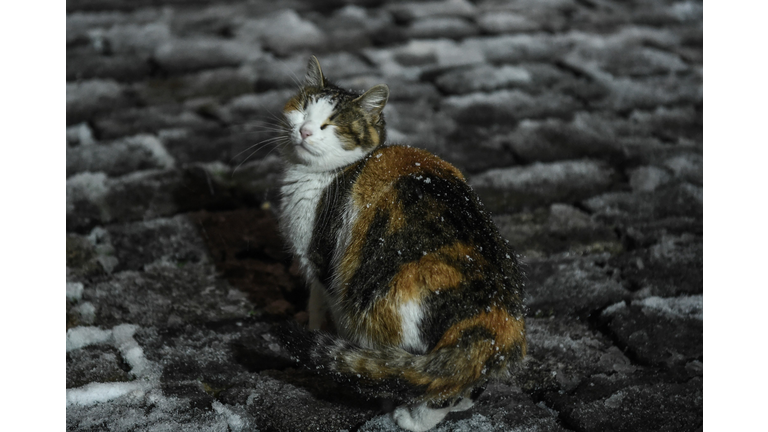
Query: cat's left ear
x,y
374,100
314,76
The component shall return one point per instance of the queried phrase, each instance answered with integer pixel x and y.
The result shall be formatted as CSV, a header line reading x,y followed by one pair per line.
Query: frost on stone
x,y
615,400
74,291
120,157
86,311
648,178
506,22
689,167
283,31
155,148
538,176
204,52
678,307
483,78
86,187
445,8
612,309
235,422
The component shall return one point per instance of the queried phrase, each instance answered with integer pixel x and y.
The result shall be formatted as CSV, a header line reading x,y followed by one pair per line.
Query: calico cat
x,y
425,295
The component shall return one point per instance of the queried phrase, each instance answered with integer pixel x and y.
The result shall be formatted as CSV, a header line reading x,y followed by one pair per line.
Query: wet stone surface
x,y
579,124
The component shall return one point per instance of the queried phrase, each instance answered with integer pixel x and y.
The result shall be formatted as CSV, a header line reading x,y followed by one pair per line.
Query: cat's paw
x,y
463,404
418,418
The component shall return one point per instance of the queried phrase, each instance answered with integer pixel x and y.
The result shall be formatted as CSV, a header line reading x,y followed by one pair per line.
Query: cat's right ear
x,y
314,76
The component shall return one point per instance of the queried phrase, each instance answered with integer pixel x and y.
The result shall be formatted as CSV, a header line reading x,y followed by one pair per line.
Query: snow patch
x,y
93,393
80,134
79,337
538,174
234,421
132,353
156,148
612,309
679,307
74,291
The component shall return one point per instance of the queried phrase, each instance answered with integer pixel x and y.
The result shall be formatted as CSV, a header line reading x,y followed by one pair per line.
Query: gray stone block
x,y
160,242
86,99
672,200
162,120
672,266
536,47
413,10
508,106
440,27
563,353
483,78
165,295
121,157
188,55
509,189
507,22
555,139
283,32
130,38
659,331
121,67
93,199
95,364
636,403
564,285
648,178
222,84
560,228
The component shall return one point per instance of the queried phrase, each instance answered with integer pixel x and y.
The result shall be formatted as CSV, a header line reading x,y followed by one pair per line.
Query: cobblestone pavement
x,y
579,123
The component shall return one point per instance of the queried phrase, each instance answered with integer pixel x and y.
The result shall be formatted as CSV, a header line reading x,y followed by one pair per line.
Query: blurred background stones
x,y
578,122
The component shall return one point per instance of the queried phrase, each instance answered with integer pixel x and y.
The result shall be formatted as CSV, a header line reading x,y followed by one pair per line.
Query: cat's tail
x,y
443,374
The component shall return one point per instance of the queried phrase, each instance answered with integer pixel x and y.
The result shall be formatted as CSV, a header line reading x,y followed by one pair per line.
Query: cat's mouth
x,y
307,148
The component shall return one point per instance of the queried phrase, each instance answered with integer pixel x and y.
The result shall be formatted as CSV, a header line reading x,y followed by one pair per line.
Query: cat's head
x,y
329,127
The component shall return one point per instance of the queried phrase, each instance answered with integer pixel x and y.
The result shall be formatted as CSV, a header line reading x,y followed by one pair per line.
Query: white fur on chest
x,y
301,192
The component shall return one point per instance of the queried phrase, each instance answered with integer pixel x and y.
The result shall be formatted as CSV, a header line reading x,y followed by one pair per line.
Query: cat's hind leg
x,y
467,402
419,417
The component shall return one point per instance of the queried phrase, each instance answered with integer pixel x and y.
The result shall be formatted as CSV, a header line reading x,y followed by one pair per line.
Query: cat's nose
x,y
305,132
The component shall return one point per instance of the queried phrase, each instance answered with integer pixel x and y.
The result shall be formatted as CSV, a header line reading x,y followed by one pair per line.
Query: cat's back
x,y
422,254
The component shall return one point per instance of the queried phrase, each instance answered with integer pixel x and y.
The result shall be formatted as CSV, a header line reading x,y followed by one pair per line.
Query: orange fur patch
x,y
507,330
373,191
293,104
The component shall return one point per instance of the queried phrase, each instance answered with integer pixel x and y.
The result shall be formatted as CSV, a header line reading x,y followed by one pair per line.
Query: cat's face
x,y
327,127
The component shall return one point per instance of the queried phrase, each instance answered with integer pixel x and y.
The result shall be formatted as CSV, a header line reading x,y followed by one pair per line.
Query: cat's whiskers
x,y
279,140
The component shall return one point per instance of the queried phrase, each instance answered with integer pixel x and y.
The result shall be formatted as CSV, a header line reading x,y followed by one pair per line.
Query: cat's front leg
x,y
318,304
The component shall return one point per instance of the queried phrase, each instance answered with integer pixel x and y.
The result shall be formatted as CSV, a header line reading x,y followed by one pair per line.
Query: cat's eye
x,y
325,125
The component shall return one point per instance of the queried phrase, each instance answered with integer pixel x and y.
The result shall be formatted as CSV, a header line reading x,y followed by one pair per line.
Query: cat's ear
x,y
314,76
374,100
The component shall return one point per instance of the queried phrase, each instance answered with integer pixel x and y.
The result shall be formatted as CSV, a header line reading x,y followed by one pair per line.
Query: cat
x,y
425,295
